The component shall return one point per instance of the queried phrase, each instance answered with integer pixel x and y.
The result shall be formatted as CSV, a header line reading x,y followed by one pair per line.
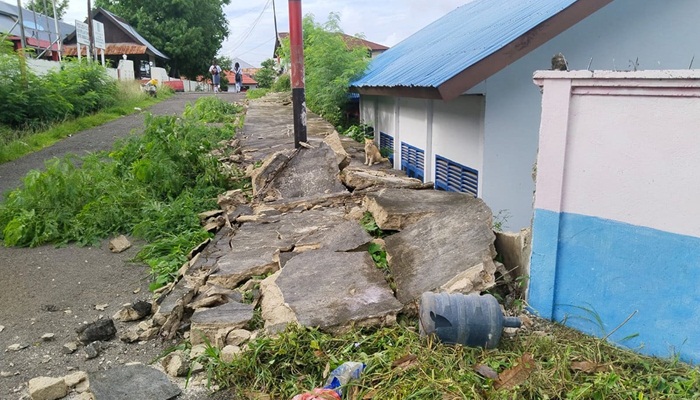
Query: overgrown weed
x,y
402,365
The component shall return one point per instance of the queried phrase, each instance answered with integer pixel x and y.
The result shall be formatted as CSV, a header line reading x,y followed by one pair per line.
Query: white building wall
x,y
651,34
458,132
413,127
368,109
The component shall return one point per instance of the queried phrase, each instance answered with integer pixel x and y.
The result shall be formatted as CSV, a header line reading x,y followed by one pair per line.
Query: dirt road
x,y
55,290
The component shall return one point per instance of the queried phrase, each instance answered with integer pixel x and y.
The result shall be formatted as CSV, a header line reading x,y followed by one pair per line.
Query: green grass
x,y
295,361
253,94
16,144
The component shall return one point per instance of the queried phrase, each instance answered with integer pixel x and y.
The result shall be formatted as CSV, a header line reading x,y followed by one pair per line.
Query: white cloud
x,y
383,21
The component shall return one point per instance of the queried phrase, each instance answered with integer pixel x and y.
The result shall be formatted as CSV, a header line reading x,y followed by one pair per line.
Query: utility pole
x,y
58,32
296,42
91,34
274,16
21,26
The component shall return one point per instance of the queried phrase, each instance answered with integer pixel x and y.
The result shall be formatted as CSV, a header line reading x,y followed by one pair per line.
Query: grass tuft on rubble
x,y
150,186
402,365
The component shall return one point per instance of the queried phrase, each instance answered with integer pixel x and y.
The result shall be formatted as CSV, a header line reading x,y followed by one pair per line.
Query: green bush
x,y
282,84
32,102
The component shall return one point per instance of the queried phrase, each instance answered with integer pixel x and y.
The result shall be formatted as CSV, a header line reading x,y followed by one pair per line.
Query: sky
x,y
252,27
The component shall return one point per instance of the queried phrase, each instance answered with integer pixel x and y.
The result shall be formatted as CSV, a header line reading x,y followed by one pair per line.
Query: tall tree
x,y
190,32
46,7
266,75
330,64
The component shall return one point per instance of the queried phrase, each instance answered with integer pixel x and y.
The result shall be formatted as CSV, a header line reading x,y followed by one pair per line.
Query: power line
x,y
247,34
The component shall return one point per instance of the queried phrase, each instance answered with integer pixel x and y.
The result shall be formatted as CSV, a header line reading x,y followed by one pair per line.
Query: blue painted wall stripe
x,y
607,270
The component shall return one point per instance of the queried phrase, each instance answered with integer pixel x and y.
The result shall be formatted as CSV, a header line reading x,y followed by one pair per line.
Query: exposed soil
x,y
55,290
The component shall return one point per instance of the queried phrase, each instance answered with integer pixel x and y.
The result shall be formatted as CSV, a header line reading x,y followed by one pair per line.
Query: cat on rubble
x,y
372,154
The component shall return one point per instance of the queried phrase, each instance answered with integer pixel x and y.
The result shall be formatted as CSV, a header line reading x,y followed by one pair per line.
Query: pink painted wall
x,y
622,146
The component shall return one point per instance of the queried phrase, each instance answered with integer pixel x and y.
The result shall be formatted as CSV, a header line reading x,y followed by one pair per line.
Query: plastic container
x,y
470,320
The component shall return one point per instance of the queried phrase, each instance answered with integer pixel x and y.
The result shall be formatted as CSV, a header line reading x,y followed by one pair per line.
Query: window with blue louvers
x,y
387,142
455,177
412,161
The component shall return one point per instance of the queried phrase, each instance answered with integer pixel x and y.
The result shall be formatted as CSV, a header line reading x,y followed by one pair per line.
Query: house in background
x,y
247,80
373,49
455,102
122,39
39,30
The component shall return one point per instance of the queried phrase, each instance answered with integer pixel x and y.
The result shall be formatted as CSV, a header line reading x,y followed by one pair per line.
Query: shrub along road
x,y
95,139
54,290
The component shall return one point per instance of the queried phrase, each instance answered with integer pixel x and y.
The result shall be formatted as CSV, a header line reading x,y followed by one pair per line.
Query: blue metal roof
x,y
457,41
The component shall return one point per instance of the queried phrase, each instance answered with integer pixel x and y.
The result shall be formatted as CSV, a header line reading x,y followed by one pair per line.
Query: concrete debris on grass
x,y
119,244
293,250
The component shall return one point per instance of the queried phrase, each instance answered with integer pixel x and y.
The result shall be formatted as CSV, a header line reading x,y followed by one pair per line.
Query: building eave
x,y
398,91
518,48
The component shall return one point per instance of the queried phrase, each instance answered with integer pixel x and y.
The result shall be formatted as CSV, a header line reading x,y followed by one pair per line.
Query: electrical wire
x,y
250,29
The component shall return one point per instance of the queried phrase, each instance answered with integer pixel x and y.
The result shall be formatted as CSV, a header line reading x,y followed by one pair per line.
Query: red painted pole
x,y
296,41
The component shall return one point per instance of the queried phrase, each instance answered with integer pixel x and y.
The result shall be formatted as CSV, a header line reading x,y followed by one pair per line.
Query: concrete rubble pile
x,y
293,250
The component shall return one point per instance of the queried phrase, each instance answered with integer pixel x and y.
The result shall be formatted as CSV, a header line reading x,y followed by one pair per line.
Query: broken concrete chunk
x,y
133,312
75,378
231,199
439,248
228,353
92,350
237,337
243,263
47,388
474,280
119,244
17,346
47,337
175,364
70,347
345,236
341,156
133,382
514,249
102,329
203,216
332,290
208,322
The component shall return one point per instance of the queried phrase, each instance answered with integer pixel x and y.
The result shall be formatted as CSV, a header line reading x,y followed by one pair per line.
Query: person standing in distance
x,y
215,72
239,76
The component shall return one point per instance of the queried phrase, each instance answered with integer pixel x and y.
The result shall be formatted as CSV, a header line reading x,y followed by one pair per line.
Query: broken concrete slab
x,y
357,178
133,382
432,252
208,322
305,173
345,236
239,265
395,209
333,290
341,156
